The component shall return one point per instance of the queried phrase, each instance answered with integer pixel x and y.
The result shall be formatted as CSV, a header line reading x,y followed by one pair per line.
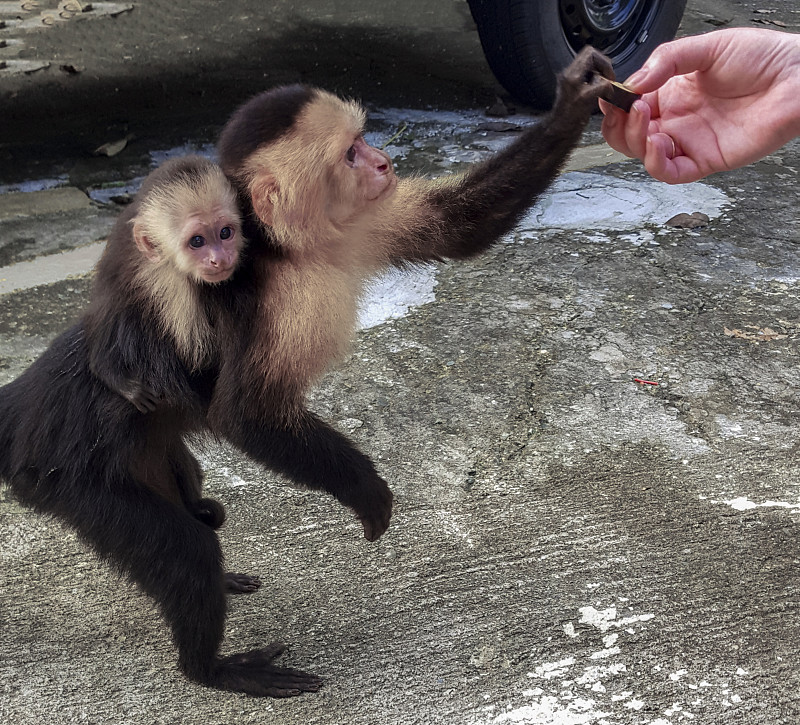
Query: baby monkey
x,y
73,448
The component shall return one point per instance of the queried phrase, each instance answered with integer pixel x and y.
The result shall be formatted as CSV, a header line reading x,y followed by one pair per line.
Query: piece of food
x,y
620,96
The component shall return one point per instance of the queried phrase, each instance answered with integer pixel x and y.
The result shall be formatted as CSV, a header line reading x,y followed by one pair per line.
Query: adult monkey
x,y
324,211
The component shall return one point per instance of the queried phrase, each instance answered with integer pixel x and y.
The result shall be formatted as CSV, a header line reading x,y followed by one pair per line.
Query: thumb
x,y
677,58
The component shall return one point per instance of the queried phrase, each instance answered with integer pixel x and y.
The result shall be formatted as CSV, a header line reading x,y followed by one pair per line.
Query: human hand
x,y
710,103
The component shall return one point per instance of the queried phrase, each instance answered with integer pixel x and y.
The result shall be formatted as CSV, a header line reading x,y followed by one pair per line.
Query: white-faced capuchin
x,y
324,211
124,479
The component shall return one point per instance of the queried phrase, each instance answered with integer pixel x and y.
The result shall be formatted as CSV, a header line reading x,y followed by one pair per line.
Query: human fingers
x,y
664,161
613,127
636,127
678,57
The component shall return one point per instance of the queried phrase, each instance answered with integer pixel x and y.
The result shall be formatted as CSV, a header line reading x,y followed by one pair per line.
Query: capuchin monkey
x,y
124,480
324,212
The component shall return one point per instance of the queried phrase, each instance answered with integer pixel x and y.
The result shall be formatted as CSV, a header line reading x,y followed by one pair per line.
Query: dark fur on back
x,y
258,122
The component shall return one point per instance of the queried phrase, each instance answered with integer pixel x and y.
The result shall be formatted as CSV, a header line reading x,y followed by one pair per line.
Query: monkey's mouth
x,y
217,277
391,185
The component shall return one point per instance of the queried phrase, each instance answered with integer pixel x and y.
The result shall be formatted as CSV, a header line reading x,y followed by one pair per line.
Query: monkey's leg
x,y
189,476
178,562
312,453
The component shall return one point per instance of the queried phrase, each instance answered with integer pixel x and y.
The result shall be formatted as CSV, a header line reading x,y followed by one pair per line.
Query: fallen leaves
x,y
759,334
695,220
112,148
768,21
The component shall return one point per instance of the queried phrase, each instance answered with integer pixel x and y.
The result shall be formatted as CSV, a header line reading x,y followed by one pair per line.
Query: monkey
x,y
92,433
324,211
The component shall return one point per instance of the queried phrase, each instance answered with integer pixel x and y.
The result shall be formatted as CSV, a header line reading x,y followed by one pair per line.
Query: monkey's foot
x,y
253,673
241,583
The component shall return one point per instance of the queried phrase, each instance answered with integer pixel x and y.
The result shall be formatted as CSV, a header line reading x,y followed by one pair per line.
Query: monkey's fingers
x,y
581,83
241,583
148,400
374,510
144,398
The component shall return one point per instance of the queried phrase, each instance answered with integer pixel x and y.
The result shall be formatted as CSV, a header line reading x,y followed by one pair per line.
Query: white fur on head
x,y
290,180
165,274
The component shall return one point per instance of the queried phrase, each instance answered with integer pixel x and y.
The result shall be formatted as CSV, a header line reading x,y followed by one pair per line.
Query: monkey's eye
x,y
196,242
225,233
350,156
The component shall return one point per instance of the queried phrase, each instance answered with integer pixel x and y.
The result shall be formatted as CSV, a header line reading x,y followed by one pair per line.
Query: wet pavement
x,y
591,432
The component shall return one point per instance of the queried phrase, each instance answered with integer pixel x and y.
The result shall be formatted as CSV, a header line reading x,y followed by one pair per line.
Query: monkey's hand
x,y
241,583
141,396
372,503
581,83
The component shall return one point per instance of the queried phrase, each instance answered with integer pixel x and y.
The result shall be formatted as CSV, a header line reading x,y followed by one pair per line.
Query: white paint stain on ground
x,y
395,293
583,200
742,503
577,690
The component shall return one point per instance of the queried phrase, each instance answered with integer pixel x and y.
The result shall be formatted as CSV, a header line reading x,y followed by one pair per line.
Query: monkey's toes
x,y
241,583
254,673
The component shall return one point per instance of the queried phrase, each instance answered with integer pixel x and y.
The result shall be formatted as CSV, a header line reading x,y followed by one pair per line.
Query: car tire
x,y
527,42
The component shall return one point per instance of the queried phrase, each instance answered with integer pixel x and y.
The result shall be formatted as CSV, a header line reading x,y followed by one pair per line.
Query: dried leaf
x,y
695,220
112,148
761,334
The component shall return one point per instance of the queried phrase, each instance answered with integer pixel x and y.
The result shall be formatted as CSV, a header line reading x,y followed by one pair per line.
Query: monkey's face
x,y
210,242
373,170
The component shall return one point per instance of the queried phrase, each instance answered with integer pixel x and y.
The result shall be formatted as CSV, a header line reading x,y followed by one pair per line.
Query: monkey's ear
x,y
144,243
262,187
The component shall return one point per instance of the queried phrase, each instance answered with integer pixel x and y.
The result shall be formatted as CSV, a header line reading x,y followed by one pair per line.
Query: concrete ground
x,y
591,432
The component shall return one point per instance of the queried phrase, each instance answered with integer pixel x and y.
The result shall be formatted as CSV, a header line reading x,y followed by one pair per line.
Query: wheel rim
x,y
615,27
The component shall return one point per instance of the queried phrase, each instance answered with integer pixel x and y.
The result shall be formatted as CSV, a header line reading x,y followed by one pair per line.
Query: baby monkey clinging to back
x,y
72,447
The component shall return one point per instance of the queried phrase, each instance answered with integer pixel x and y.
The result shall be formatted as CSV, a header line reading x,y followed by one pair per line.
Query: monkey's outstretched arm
x,y
462,217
